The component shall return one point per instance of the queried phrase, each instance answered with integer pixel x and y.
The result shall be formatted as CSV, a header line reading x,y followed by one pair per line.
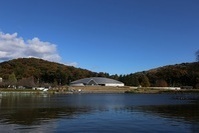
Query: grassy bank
x,y
151,90
30,91
98,89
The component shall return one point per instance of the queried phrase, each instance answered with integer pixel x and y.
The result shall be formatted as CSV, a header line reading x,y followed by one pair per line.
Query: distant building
x,y
1,79
96,81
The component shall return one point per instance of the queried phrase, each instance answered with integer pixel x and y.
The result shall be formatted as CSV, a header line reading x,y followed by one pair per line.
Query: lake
x,y
103,113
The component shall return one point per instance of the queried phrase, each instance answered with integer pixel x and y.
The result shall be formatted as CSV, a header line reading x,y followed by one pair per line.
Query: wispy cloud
x,y
12,46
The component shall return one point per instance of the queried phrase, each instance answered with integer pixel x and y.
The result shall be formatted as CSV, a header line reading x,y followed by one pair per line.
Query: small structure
x,y
41,88
165,88
96,81
1,79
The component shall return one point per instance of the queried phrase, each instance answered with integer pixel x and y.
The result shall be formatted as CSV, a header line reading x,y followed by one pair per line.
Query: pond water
x,y
112,113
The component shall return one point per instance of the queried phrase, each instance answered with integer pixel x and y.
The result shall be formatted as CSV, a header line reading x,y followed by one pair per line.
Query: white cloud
x,y
12,46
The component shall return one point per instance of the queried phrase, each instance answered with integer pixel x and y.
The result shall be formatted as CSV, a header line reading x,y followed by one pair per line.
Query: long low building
x,y
96,81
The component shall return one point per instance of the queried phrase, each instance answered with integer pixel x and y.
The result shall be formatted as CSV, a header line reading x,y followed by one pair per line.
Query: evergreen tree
x,y
135,81
145,81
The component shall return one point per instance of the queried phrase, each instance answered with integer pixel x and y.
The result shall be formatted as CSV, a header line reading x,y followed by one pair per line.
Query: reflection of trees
x,y
31,110
187,112
39,115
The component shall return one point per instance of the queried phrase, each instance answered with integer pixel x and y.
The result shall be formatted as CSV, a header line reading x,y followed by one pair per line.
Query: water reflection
x,y
189,113
35,109
93,112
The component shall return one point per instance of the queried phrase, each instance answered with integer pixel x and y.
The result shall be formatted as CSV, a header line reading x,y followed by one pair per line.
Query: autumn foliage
x,y
31,72
185,74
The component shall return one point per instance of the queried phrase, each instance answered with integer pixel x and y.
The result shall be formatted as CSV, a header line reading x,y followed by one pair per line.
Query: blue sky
x,y
113,36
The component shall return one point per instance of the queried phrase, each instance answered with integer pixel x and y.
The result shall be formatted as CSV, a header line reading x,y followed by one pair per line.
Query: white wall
x,y
165,88
114,84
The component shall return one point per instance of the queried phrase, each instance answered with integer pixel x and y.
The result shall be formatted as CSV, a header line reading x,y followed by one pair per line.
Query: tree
x,y
134,80
102,74
12,79
27,82
197,86
145,81
161,83
197,56
197,83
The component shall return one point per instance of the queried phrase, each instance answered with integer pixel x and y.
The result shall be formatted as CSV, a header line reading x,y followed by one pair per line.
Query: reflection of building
x,y
97,81
1,80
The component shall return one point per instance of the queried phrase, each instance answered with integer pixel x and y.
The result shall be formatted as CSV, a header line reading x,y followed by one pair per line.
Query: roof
x,y
96,81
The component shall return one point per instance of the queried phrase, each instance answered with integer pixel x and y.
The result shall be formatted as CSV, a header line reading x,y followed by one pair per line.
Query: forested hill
x,y
185,74
42,71
37,71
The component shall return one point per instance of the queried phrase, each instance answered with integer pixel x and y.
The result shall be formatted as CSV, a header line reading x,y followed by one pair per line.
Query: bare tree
x,y
197,56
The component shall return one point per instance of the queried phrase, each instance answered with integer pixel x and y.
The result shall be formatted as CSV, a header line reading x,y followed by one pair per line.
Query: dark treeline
x,y
185,74
31,72
40,72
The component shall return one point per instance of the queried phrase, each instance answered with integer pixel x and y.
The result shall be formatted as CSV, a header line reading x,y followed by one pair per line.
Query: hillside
x,y
31,71
42,71
185,74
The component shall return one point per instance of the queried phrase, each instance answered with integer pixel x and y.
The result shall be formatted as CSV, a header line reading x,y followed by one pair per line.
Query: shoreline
x,y
97,89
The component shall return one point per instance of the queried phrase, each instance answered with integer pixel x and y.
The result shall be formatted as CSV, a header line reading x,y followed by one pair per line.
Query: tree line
x,y
31,72
185,74
40,72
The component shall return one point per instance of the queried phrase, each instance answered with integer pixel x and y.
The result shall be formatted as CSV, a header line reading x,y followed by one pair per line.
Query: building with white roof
x,y
96,81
